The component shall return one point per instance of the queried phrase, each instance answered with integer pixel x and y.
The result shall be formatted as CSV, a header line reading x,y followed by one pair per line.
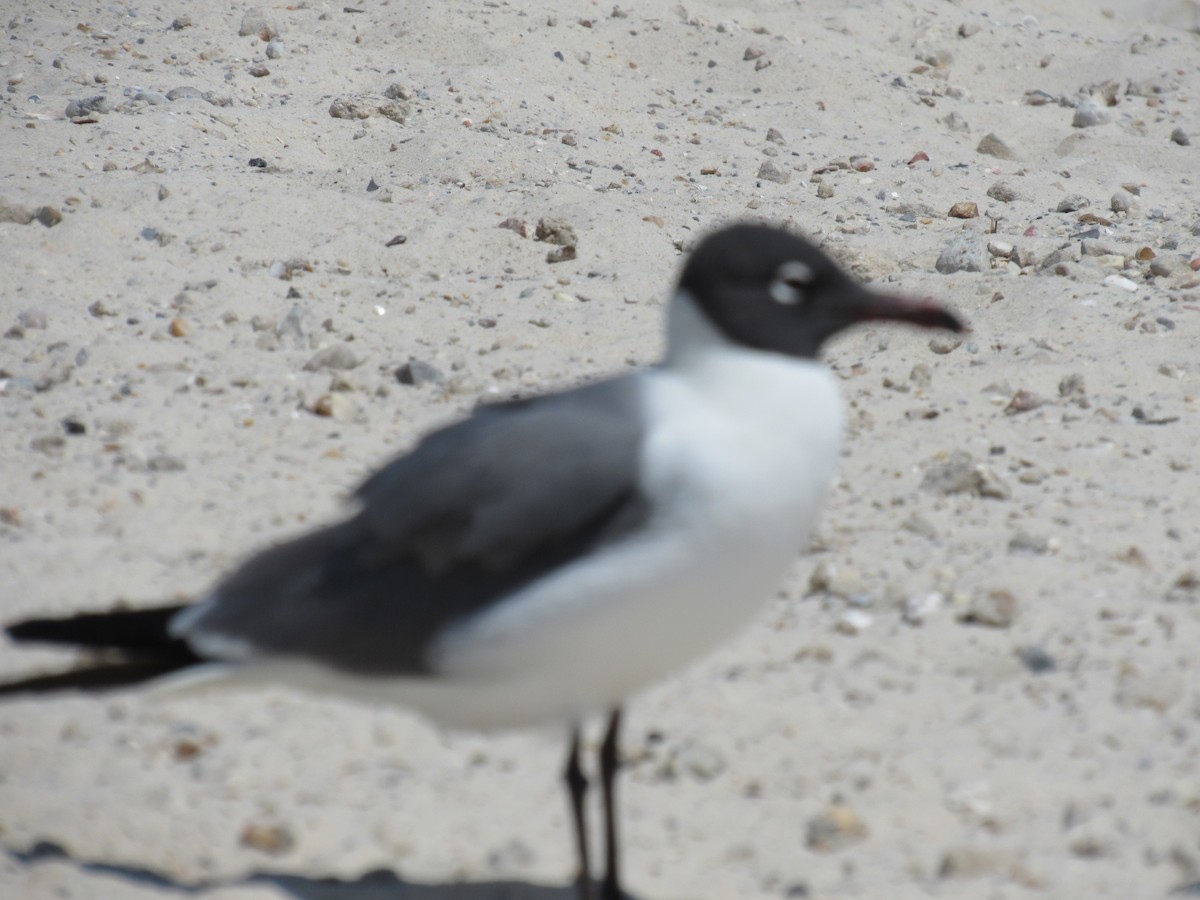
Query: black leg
x,y
577,786
610,761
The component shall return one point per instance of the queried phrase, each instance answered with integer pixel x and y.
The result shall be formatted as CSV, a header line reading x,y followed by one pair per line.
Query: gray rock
x,y
994,145
967,252
334,357
1004,192
184,92
768,171
1072,202
87,106
1181,137
959,473
995,609
418,372
1121,201
255,21
275,49
1089,113
956,123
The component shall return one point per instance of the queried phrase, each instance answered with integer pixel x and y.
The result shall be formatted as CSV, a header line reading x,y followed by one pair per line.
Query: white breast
x,y
736,467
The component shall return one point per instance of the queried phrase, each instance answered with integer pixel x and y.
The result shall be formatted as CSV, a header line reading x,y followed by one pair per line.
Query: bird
x,y
544,558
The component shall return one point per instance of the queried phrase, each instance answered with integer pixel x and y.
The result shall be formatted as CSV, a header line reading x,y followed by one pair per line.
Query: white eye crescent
x,y
788,286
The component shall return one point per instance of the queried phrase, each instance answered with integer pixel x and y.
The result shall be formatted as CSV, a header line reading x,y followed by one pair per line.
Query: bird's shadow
x,y
381,884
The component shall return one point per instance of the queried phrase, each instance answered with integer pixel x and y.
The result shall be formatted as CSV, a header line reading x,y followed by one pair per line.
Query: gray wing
x,y
472,514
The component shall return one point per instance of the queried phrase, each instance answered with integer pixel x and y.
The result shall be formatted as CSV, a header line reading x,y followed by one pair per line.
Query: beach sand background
x,y
981,681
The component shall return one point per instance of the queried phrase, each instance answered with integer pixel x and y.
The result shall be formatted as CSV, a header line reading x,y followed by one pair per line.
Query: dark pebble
x,y
418,372
74,426
1037,660
258,162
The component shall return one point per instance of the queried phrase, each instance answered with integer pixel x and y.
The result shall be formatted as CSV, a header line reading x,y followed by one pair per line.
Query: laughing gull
x,y
543,559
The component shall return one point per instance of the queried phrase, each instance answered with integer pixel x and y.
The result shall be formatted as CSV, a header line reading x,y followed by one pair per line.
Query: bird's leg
x,y
610,761
577,786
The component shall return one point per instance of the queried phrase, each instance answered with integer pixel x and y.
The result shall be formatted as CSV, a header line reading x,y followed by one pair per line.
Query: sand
x,y
979,682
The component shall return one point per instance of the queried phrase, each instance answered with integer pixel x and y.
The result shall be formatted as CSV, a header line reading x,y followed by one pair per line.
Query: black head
x,y
772,290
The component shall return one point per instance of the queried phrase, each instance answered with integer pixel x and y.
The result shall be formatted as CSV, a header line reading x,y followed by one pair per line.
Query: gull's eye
x,y
789,283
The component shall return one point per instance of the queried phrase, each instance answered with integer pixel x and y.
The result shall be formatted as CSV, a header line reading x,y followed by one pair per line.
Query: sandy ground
x,y
982,681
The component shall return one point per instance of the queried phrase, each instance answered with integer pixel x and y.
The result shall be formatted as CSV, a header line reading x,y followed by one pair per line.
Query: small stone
x,y
334,406
1000,249
34,319
1089,113
275,50
960,473
271,839
965,209
184,92
48,216
972,862
696,760
1023,401
1181,137
337,357
995,609
1004,192
835,828
834,578
994,145
15,213
752,53
854,621
775,136
417,372
1029,544
255,21
1120,282
1072,202
179,327
919,607
956,123
1121,201
513,223
768,171
561,254
942,344
966,252
825,190
87,106
554,230
1036,660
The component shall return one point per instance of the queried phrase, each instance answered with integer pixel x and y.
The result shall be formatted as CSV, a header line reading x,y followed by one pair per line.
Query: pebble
x,y
335,406
554,230
15,213
179,327
1000,249
337,357
854,621
1036,659
1071,203
255,21
694,759
972,862
184,92
272,839
835,828
275,50
919,607
1120,281
966,252
1121,201
1181,137
154,98
48,216
956,123
1004,192
1089,113
965,209
825,190
994,145
87,106
775,136
834,578
417,372
768,171
995,609
959,473
1025,543
941,344
1023,401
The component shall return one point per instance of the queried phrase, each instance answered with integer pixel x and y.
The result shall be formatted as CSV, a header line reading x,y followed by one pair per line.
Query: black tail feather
x,y
103,677
123,629
143,649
